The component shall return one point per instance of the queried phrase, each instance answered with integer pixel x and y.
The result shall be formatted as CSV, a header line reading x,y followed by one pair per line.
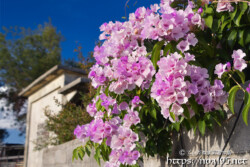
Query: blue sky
x,y
77,20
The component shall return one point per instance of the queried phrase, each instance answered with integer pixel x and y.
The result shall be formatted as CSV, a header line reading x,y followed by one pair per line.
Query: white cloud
x,y
7,117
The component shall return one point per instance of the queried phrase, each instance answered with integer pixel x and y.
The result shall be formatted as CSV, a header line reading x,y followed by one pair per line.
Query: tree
x,y
26,54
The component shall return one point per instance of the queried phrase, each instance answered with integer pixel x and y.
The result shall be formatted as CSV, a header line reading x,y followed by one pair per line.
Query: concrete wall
x,y
61,156
190,143
37,102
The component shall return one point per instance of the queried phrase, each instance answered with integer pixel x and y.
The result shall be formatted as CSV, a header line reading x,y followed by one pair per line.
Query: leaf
x,y
247,36
209,21
156,53
232,14
81,152
241,75
75,156
241,37
87,149
224,25
167,48
243,8
97,156
248,14
231,97
98,91
232,38
106,91
202,126
98,104
176,126
153,113
209,10
193,104
172,115
186,111
246,107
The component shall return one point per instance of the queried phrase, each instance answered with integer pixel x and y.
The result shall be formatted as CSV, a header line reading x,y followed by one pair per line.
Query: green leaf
x,y
75,156
98,104
186,111
202,126
241,37
172,115
209,21
232,38
232,14
176,126
224,25
241,75
193,104
243,8
248,14
106,91
167,48
209,10
156,53
246,107
88,150
81,152
247,36
98,91
153,113
231,97
97,156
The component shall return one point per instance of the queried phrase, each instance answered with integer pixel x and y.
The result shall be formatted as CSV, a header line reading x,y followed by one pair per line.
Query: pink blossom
x,y
220,69
238,54
248,88
183,46
224,5
239,64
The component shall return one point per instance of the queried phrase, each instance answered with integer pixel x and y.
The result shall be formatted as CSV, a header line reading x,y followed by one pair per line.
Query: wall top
x,y
49,76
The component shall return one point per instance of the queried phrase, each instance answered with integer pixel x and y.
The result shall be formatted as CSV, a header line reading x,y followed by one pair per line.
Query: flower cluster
x,y
119,137
211,97
171,89
238,63
122,59
123,69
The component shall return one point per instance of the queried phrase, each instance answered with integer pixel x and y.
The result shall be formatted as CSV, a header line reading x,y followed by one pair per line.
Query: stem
x,y
236,82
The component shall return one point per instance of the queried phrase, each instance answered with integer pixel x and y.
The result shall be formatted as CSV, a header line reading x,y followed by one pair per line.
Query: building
x,y
11,155
59,83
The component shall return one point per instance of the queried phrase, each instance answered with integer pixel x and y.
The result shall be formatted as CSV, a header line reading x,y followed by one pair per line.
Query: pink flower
x,y
224,5
132,118
248,88
220,69
238,54
183,46
191,39
196,19
239,64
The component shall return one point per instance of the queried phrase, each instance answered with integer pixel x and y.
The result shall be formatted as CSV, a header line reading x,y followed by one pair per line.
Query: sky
x,y
77,20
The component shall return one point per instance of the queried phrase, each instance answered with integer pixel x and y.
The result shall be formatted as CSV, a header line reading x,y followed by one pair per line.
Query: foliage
x,y
3,134
64,123
60,126
26,54
169,67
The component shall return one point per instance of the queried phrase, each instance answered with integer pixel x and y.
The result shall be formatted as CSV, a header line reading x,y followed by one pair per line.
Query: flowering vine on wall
x,y
173,65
